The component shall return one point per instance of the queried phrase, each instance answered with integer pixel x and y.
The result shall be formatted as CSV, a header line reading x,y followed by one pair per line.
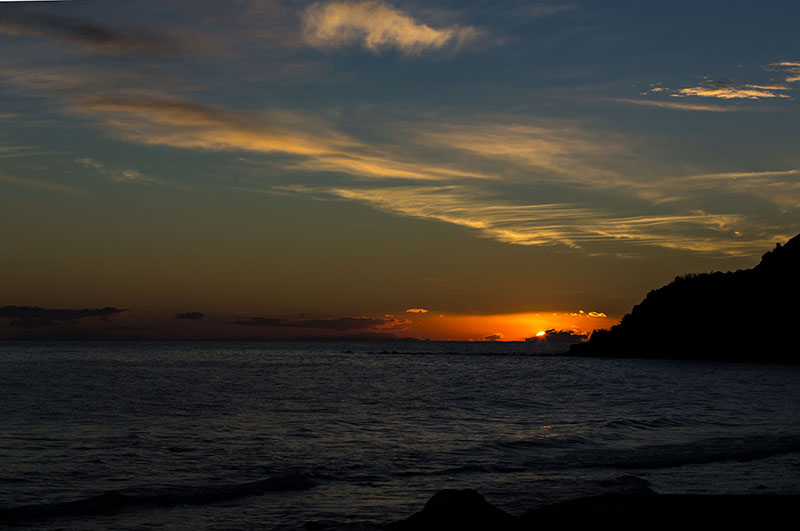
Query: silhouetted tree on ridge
x,y
749,314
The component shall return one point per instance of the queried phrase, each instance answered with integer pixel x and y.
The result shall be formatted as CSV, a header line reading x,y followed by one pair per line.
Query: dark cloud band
x,y
36,317
94,36
340,324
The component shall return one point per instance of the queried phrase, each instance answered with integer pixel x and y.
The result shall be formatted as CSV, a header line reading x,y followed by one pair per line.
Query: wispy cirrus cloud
x,y
678,105
780,187
377,26
464,173
382,165
36,183
574,225
154,116
560,151
562,154
123,175
547,144
179,123
73,84
11,152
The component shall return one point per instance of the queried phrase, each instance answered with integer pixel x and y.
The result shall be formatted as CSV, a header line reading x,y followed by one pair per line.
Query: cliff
x,y
750,314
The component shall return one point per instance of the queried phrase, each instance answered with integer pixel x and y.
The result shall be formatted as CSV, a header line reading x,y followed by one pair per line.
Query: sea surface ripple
x,y
203,435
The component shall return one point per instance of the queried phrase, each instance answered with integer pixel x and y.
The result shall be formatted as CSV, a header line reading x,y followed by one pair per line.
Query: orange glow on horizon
x,y
503,327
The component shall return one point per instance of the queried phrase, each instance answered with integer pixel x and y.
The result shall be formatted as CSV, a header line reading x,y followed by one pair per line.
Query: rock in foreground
x,y
456,510
467,510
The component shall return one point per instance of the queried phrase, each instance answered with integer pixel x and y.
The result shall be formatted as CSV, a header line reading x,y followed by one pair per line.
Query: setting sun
x,y
502,327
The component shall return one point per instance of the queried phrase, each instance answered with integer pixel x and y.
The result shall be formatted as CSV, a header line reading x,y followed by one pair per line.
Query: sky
x,y
446,170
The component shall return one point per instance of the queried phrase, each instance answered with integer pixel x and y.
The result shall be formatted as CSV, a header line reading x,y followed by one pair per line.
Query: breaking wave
x,y
116,501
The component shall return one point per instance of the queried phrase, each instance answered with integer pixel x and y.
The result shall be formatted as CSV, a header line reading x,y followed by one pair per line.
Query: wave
x,y
654,423
579,451
701,452
115,501
464,469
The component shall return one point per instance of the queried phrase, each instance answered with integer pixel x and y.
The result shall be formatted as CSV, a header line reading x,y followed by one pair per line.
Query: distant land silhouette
x,y
749,314
557,336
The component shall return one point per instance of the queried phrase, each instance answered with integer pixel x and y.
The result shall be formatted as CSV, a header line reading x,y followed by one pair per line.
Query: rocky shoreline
x,y
468,510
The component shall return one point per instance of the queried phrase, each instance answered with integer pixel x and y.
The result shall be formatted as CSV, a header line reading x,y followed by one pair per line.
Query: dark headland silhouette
x,y
749,314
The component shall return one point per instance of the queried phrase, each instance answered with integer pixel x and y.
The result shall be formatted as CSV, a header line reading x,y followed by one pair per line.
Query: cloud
x,y
417,310
484,160
190,315
561,151
36,317
384,166
780,187
151,116
790,68
121,175
10,152
74,86
494,337
35,183
744,174
678,105
567,224
340,324
546,144
97,38
378,26
174,122
156,120
14,149
730,90
260,321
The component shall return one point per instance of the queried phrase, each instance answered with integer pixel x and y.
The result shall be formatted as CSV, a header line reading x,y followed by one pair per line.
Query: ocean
x,y
275,436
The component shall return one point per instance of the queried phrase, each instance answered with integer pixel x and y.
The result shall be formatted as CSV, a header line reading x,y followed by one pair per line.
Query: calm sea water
x,y
275,435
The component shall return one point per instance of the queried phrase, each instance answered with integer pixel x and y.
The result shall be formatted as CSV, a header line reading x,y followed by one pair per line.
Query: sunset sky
x,y
316,169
